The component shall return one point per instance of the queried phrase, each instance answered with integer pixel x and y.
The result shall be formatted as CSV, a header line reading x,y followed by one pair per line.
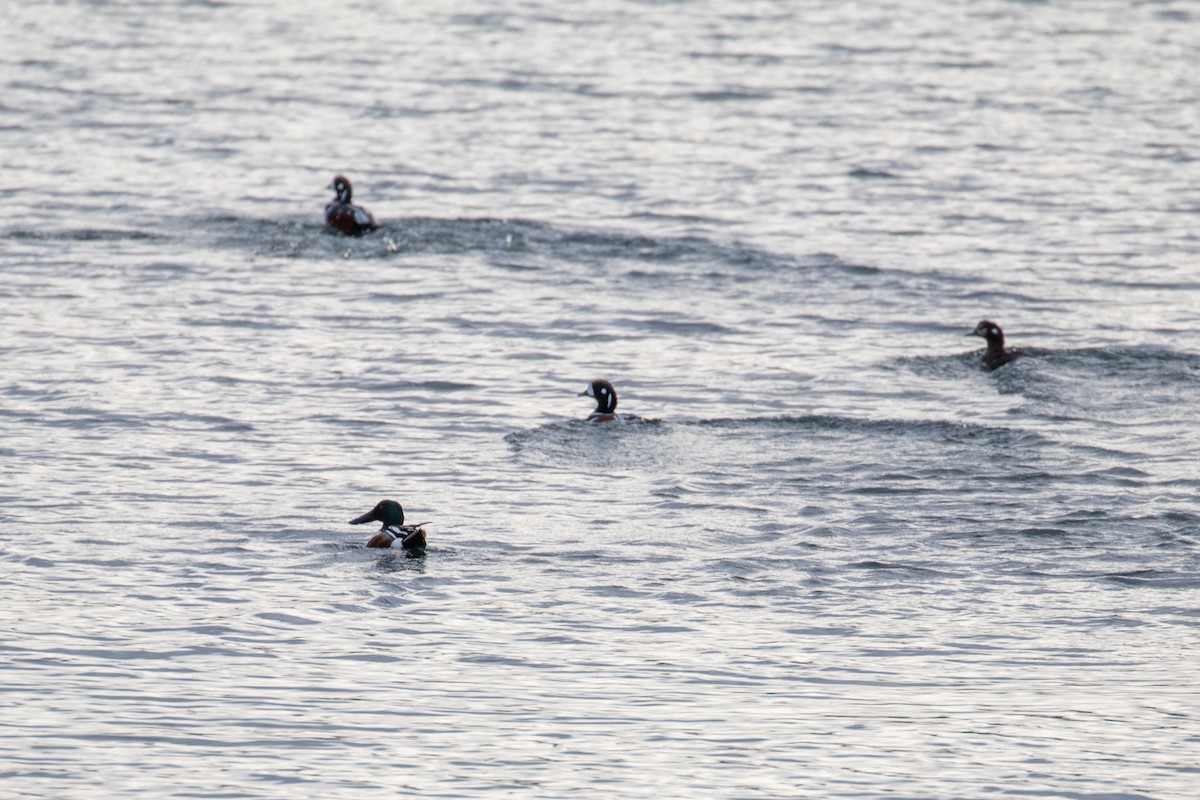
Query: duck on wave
x,y
411,538
996,355
606,403
342,215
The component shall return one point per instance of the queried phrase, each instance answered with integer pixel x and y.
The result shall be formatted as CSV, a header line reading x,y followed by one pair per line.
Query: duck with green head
x,y
391,514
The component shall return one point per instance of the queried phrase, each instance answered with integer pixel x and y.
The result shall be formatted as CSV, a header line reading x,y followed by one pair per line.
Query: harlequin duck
x,y
996,356
391,514
606,403
342,215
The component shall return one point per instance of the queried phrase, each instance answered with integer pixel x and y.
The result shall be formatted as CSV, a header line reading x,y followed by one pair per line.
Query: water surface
x,y
837,559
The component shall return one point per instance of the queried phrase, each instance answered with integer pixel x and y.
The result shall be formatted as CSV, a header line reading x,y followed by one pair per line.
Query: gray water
x,y
837,560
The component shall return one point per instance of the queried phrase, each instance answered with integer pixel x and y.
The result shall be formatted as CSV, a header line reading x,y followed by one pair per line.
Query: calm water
x,y
839,560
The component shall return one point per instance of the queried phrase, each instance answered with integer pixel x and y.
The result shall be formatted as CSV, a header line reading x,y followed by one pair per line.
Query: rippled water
x,y
836,559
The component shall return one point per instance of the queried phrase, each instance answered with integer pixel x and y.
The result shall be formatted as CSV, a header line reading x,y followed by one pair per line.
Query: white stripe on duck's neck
x,y
606,396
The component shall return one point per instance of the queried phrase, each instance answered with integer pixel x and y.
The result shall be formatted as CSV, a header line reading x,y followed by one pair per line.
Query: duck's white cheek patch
x,y
994,331
588,391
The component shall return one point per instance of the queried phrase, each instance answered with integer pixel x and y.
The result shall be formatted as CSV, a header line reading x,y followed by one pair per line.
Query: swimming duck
x,y
391,514
996,356
342,215
606,402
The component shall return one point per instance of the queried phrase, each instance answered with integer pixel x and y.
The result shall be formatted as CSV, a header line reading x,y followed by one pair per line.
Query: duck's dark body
x,y
342,215
995,356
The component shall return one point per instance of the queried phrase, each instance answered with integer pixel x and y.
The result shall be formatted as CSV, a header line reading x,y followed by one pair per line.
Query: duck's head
x,y
388,512
341,185
605,395
990,331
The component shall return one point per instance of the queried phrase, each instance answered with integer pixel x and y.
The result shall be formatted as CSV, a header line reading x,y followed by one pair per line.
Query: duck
x,y
344,216
606,402
391,514
996,356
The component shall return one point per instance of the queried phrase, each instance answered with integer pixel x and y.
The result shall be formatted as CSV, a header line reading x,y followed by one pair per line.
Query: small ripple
x,y
1154,579
87,235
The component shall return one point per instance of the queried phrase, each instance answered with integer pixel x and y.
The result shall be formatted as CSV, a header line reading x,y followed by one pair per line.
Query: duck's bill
x,y
364,518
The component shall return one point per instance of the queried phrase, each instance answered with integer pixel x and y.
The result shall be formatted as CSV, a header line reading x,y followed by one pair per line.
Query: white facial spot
x,y
993,331
588,391
603,390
